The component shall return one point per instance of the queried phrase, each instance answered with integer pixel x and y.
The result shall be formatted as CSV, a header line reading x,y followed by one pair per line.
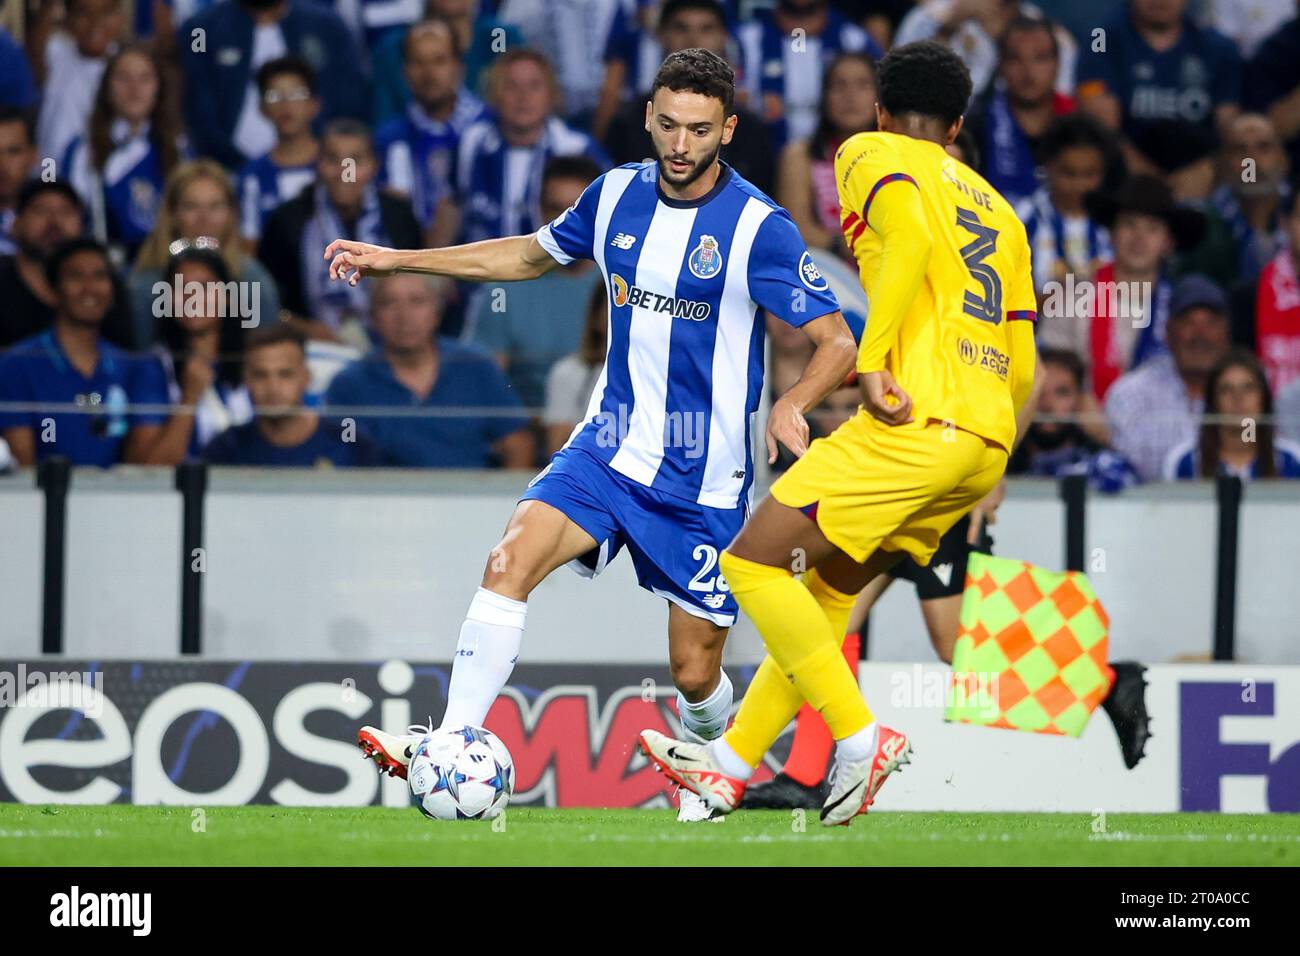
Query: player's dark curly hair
x,y
698,71
925,78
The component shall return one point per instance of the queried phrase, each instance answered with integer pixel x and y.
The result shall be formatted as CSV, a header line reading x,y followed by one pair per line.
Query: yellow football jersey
x,y
946,266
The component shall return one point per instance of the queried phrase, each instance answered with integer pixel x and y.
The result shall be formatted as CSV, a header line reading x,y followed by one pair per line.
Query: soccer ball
x,y
461,773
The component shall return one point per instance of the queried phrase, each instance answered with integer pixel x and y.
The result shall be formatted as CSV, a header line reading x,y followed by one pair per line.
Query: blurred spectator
x,y
1236,442
806,185
572,35
963,149
1075,152
132,142
413,368
283,433
499,167
287,86
343,202
1243,231
479,36
201,352
222,104
72,364
785,51
1288,411
1272,83
1010,119
46,215
69,67
1247,23
684,24
973,29
1155,407
1168,86
1122,323
1058,446
880,18
529,326
572,379
417,150
199,207
635,49
17,157
374,21
1277,306
17,85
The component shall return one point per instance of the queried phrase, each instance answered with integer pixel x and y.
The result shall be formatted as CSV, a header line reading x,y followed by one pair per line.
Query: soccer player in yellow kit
x,y
945,362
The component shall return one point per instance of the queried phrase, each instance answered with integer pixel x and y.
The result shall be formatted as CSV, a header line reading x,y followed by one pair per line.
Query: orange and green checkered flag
x,y
1031,651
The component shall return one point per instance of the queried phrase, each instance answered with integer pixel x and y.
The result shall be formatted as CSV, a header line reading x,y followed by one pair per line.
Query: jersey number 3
x,y
985,305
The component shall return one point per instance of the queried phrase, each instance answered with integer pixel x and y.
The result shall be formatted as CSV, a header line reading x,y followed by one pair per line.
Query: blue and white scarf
x,y
332,302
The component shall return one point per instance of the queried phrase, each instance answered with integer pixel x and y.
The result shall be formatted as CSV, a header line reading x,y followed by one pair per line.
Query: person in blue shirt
x,y
17,87
284,433
529,326
480,36
1231,439
287,86
499,167
131,144
17,158
417,150
785,52
1168,86
1057,445
72,364
221,98
414,369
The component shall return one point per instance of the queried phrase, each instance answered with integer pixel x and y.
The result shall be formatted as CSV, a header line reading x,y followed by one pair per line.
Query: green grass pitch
x,y
131,836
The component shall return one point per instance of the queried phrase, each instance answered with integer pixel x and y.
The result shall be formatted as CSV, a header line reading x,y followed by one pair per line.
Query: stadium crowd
x,y
170,172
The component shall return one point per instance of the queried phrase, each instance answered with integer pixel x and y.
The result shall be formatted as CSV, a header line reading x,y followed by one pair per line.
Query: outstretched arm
x,y
505,260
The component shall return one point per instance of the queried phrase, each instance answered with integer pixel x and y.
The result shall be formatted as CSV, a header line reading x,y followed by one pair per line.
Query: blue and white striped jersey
x,y
675,406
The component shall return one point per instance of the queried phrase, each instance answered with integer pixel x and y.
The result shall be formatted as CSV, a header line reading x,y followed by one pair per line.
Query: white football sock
x,y
485,656
859,746
732,764
706,719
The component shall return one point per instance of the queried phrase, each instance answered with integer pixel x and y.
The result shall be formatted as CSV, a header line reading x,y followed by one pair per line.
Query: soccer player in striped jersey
x,y
946,362
692,255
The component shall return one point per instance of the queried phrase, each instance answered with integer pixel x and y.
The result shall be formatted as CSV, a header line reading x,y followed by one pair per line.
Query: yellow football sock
x,y
802,643
772,699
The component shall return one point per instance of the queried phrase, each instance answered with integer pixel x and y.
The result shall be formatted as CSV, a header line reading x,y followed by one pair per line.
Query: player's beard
x,y
682,180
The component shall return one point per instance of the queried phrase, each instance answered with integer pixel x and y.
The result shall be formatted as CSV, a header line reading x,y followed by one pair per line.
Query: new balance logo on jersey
x,y
714,601
623,241
943,572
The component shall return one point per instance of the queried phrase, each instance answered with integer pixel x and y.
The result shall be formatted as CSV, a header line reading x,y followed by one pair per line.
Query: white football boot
x,y
854,785
392,752
693,768
691,808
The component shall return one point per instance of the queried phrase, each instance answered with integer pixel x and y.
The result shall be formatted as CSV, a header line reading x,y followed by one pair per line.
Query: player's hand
x,y
884,398
985,511
786,425
352,261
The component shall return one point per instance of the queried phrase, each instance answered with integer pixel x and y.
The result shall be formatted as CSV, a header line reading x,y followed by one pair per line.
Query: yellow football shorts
x,y
899,487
